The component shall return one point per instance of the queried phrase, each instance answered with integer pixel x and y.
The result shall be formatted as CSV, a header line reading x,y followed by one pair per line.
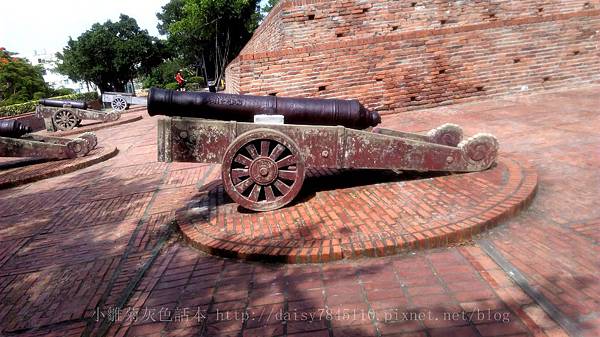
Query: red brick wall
x,y
396,56
269,35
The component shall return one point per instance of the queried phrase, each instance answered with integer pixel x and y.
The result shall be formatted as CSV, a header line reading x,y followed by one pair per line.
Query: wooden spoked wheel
x,y
65,119
119,103
263,170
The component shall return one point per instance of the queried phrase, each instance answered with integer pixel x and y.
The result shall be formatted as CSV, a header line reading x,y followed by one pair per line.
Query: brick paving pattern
x,y
94,252
29,173
128,116
385,218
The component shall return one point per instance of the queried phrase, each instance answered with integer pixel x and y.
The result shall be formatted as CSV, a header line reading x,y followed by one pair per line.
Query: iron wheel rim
x,y
263,170
119,103
65,120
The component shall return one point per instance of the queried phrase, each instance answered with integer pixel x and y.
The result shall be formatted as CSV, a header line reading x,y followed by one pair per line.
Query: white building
x,y
53,78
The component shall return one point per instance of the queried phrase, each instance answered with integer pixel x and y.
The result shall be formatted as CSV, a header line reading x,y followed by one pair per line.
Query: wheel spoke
x,y
252,150
264,148
283,188
255,192
240,158
277,151
269,193
237,173
289,175
287,161
243,186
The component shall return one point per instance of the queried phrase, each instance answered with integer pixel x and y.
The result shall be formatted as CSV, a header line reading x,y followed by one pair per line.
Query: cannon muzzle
x,y
13,128
242,108
60,103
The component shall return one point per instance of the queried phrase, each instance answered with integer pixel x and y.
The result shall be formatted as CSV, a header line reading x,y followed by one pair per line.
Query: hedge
x,y
23,108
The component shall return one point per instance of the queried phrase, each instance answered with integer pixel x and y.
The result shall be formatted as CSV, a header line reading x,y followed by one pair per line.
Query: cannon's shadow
x,y
320,180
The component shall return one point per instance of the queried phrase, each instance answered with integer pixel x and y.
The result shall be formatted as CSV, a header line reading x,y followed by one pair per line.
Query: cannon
x,y
13,128
66,115
120,101
263,165
17,141
60,104
243,108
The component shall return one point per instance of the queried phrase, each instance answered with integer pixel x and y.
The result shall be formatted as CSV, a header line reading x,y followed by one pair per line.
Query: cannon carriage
x,y
120,101
16,140
264,165
66,115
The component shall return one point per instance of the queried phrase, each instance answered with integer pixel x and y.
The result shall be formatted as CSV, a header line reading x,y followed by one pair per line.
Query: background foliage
x,y
207,34
268,6
22,108
202,36
111,54
19,80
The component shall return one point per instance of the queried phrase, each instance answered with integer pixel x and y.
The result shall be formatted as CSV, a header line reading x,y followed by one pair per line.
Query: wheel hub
x,y
263,170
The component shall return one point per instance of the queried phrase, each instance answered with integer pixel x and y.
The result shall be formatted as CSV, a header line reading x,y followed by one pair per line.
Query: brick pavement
x,y
23,174
75,247
372,214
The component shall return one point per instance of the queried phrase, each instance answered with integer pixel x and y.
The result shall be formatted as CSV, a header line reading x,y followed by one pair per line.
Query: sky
x,y
28,25
45,25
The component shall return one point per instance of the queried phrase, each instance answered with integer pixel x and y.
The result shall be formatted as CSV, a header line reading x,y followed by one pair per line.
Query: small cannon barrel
x,y
13,128
60,103
242,108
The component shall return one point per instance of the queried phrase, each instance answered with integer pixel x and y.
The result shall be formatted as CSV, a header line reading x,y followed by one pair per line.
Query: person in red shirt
x,y
180,80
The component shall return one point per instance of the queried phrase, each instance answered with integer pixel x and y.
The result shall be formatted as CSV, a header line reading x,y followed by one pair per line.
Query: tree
x,y
111,54
209,32
268,6
19,80
163,74
171,13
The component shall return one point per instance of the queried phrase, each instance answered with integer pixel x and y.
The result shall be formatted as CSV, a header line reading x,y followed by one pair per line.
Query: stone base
x,y
24,174
91,125
354,214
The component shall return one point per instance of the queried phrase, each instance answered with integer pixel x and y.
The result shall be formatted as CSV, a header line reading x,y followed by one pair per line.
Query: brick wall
x,y
401,55
269,35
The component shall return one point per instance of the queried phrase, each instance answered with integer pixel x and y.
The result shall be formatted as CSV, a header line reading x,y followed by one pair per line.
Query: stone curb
x,y
28,174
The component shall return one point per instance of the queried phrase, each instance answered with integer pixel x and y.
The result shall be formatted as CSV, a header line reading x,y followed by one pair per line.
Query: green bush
x,y
39,94
196,79
23,108
17,109
172,86
193,87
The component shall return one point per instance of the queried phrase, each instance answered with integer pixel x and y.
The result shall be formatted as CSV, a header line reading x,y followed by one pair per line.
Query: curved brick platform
x,y
89,125
374,219
30,173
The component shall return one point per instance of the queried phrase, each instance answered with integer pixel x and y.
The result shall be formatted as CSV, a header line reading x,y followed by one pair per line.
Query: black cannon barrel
x,y
60,103
13,128
242,108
